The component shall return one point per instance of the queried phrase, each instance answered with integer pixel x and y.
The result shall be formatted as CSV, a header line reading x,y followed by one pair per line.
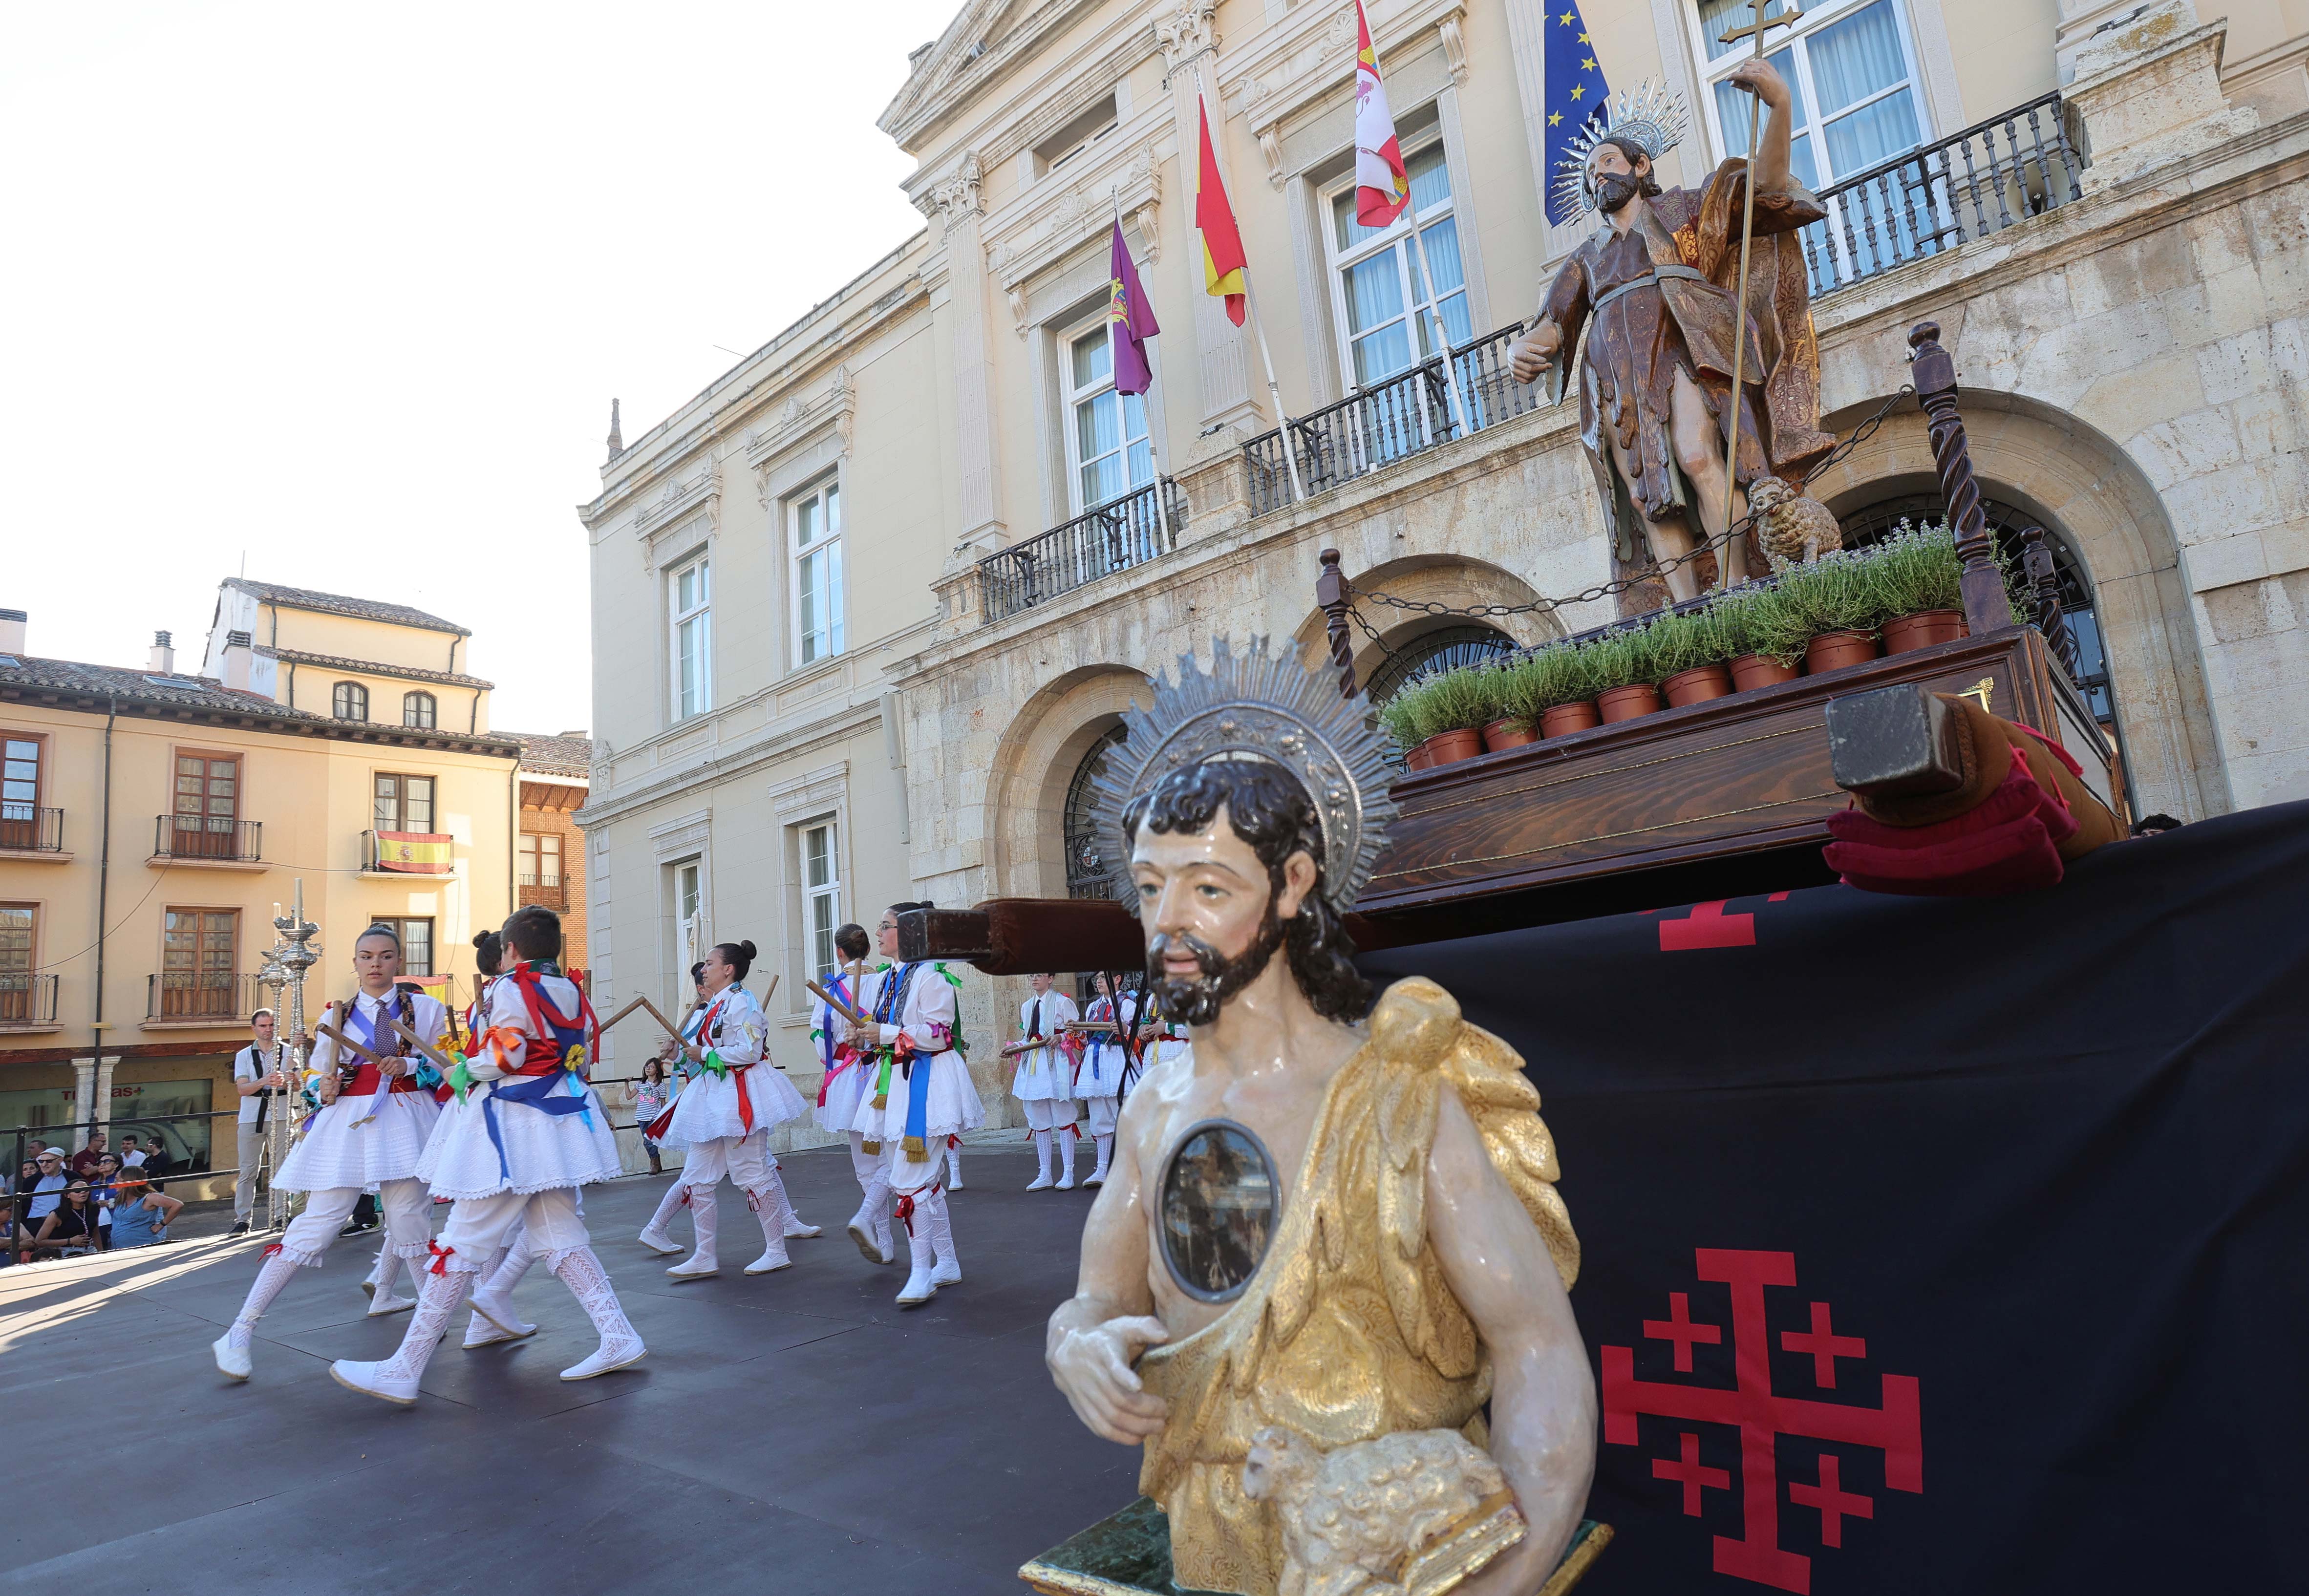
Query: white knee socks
x,y
1106,1152
1065,1137
583,1274
1042,1161
436,1302
269,1279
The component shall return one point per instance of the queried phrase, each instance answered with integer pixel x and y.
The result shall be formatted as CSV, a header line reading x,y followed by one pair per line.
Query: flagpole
x,y
1251,298
1435,314
1153,456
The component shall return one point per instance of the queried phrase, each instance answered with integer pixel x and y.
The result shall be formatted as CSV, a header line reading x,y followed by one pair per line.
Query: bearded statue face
x,y
1616,179
1212,916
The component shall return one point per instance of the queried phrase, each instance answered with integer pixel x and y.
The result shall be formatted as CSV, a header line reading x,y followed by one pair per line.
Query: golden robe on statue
x,y
1659,297
1348,1330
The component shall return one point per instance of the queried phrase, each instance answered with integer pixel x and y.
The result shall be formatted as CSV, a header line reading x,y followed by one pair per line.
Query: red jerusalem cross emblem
x,y
1763,1415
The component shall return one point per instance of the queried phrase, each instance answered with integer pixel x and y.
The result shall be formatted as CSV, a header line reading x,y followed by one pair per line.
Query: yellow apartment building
x,y
327,742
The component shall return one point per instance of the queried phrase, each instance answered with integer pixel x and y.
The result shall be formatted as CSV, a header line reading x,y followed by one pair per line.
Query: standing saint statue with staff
x,y
1686,294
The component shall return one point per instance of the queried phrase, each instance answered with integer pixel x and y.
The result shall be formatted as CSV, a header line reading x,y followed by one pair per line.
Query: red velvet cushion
x,y
2006,844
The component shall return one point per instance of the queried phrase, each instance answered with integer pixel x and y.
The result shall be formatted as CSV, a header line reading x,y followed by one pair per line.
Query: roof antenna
x,y
617,435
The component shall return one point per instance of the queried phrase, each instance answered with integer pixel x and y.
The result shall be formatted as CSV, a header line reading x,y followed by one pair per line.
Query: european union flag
x,y
1576,92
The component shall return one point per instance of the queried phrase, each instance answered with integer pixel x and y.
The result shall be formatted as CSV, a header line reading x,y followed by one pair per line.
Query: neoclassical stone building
x,y
866,608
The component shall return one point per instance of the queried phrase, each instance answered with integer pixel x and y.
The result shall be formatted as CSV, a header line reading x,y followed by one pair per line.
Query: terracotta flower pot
x,y
1625,703
1511,732
1751,671
1924,629
1833,650
1448,748
1697,685
1568,718
1417,759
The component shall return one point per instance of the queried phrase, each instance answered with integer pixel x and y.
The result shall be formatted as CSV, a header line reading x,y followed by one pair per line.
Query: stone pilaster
x,y
84,1097
959,207
1223,352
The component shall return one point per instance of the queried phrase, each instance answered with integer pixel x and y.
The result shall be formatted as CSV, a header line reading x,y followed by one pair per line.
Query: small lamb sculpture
x,y
1793,529
1353,1518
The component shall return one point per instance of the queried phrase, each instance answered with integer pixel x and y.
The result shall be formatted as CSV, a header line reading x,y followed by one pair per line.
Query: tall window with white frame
x,y
821,888
1107,451
1857,97
688,901
817,596
690,592
1379,297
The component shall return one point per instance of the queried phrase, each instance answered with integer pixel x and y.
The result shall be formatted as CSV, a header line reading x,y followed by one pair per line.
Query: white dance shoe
x,y
386,1304
947,1272
616,1354
771,1261
1041,1183
697,1266
499,1315
874,1240
922,1284
655,1239
234,1362
371,1380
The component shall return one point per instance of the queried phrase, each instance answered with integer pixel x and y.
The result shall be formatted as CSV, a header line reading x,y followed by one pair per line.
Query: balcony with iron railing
x,y
201,997
1932,199
208,839
28,829
1114,536
543,890
28,1002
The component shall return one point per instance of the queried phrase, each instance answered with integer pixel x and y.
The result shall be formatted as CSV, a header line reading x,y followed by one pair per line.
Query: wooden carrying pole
x,y
1986,609
1754,33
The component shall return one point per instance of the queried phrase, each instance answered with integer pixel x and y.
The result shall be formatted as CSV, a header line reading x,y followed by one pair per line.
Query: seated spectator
x,y
99,1196
83,1162
141,1215
37,1197
69,1228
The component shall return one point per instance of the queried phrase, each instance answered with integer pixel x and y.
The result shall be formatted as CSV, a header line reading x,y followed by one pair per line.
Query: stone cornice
x,y
1055,218
803,419
766,748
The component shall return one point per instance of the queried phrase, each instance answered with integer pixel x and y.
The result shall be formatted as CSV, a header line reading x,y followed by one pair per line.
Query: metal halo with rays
x,y
1257,707
1652,116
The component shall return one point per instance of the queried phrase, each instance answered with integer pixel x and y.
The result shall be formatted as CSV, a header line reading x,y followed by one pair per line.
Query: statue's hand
x,y
1093,1367
1533,353
1761,79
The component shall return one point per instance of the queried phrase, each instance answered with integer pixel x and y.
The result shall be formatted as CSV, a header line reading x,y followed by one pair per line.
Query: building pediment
x,y
986,39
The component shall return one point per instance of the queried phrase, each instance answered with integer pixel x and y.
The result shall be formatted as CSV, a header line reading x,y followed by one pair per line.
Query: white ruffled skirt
x,y
951,1108
335,1152
542,1151
707,1108
1101,1072
843,1093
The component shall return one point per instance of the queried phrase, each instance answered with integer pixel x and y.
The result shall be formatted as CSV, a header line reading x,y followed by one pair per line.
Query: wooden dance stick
x,y
643,1002
324,1028
392,1023
847,1011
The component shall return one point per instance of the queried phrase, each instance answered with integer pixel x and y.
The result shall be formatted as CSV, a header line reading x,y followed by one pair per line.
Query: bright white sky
x,y
347,289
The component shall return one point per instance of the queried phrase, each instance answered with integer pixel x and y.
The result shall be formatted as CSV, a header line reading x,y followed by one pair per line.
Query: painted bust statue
x,y
1328,1223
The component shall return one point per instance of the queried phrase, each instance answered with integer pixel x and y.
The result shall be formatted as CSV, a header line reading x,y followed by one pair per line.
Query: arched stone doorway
x,y
1450,581
1040,775
2067,477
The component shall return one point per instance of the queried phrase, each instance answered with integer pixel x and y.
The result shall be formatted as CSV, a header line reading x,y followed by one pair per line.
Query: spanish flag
x,y
1222,257
424,853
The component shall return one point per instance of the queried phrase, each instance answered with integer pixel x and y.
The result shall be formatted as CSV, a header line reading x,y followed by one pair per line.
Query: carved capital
x,y
957,196
1270,149
1455,47
1187,32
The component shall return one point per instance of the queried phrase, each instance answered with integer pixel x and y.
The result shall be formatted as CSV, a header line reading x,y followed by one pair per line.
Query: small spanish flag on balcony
x,y
1222,256
423,853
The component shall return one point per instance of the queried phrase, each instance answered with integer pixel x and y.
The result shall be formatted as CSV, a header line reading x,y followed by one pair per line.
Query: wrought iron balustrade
x,y
1114,536
1978,182
215,996
208,837
1377,425
30,829
27,1000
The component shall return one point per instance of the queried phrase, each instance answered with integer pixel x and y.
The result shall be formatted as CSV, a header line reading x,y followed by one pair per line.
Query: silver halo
x,y
1652,117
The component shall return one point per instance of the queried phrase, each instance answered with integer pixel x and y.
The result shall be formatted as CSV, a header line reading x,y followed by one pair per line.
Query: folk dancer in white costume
x,y
680,1071
839,1093
725,1117
369,1130
1045,1083
1109,1061
917,1096
524,1132
497,1278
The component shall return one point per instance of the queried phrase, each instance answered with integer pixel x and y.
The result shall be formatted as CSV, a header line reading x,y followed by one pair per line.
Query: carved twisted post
x,y
2045,589
1331,593
1985,607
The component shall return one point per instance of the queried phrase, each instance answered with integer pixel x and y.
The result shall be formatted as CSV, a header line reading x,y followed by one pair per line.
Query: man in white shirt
x,y
1044,1084
258,1075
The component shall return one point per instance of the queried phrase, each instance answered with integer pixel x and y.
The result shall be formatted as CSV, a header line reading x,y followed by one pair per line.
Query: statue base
x,y
1130,1555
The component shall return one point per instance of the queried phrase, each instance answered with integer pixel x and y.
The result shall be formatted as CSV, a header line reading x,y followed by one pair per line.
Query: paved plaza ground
x,y
794,1433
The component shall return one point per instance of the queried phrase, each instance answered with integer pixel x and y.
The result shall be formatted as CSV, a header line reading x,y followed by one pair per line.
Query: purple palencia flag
x,y
1129,321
